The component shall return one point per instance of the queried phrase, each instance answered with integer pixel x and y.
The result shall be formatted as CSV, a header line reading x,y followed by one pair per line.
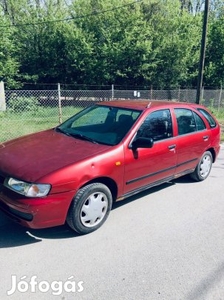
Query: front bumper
x,y
36,213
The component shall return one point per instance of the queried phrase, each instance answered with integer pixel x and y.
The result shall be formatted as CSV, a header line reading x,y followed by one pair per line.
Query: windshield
x,y
100,124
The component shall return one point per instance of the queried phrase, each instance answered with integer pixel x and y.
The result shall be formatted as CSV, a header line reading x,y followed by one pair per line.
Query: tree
x,y
117,39
192,6
214,67
9,65
103,42
176,46
41,40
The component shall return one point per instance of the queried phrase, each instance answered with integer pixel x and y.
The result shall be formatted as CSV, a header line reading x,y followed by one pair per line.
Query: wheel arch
x,y
110,183
213,153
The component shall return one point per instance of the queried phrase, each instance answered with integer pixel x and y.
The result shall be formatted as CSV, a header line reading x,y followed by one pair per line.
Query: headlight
x,y
27,189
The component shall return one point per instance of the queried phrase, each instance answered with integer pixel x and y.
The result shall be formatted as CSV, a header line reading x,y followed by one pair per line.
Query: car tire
x,y
89,208
203,168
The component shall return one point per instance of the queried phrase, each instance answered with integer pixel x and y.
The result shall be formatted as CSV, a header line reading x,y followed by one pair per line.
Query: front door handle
x,y
172,147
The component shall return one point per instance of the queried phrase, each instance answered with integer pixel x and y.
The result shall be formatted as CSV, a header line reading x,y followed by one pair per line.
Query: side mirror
x,y
142,143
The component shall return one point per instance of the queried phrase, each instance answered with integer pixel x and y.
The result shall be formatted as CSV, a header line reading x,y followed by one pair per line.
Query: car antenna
x,y
149,104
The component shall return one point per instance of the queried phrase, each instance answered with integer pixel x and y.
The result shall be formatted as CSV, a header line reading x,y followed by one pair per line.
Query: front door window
x,y
157,125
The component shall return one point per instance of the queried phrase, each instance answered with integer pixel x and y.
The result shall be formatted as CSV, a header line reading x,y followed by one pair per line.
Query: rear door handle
x,y
205,137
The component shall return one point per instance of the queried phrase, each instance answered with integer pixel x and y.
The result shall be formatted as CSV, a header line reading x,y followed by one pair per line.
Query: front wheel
x,y
203,168
90,208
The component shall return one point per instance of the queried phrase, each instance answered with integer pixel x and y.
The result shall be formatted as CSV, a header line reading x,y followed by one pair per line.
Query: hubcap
x,y
94,209
205,166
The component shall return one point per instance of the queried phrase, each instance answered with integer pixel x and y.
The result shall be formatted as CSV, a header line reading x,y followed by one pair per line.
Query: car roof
x,y
142,104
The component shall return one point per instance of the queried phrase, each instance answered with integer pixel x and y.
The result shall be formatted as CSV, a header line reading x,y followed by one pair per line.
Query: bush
x,y
23,104
2,114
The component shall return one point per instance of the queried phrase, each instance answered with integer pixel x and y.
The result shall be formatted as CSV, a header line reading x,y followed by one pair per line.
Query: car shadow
x,y
142,194
184,180
14,235
181,180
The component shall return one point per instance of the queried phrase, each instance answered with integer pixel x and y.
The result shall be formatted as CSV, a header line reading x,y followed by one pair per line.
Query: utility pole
x,y
202,54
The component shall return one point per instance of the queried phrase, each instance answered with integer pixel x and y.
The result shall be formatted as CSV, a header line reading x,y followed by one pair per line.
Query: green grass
x,y
13,125
219,114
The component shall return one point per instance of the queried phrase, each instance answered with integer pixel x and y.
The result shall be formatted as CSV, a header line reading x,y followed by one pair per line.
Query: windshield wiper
x,y
62,131
76,135
83,137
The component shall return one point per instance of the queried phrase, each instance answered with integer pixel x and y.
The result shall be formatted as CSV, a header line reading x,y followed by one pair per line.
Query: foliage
x,y
9,65
215,56
101,42
20,104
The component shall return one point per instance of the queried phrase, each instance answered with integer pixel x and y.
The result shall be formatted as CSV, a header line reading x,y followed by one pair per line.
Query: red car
x,y
73,173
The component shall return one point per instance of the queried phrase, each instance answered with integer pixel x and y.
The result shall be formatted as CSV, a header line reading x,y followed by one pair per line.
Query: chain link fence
x,y
28,111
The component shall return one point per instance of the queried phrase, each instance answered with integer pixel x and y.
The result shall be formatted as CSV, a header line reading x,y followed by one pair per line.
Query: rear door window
x,y
188,121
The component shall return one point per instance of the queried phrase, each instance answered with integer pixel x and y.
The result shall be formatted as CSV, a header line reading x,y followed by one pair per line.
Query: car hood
x,y
34,156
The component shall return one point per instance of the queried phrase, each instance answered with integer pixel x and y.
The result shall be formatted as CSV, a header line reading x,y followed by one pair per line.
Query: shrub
x,y
23,104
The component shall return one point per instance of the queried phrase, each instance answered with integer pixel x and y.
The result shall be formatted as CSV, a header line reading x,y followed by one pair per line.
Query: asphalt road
x,y
165,244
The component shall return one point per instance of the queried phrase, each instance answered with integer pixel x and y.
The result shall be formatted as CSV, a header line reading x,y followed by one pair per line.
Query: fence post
x,y
59,104
112,92
202,94
178,94
2,97
220,98
151,92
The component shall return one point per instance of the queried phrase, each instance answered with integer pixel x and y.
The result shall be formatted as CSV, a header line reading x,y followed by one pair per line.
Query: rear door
x,y
193,138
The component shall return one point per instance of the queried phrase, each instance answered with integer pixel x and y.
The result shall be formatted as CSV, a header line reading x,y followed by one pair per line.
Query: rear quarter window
x,y
208,117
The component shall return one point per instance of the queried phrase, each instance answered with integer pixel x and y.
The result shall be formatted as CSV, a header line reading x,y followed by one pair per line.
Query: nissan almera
x,y
107,152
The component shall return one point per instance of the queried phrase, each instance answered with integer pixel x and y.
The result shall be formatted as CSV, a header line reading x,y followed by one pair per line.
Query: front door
x,y
146,167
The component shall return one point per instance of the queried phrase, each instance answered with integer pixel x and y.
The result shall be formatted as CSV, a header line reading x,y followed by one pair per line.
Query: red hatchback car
x,y
73,173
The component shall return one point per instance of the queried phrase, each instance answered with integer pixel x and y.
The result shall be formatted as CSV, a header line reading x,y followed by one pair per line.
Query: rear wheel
x,y
90,208
203,168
